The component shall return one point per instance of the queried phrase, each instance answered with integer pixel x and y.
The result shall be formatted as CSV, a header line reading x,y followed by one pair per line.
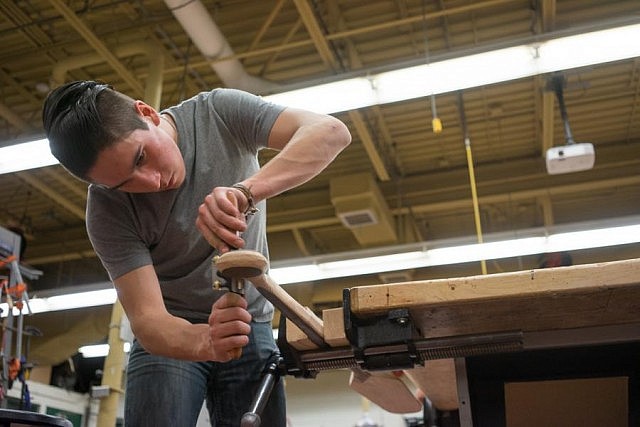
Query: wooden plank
x,y
334,334
534,300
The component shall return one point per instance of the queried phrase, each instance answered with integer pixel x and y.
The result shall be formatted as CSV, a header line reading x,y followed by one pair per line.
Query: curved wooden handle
x,y
235,353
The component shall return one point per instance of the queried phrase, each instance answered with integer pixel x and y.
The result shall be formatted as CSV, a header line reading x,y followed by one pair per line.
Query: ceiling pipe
x,y
153,86
207,37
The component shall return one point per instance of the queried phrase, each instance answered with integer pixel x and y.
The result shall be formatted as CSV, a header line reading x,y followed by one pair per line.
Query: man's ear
x,y
145,110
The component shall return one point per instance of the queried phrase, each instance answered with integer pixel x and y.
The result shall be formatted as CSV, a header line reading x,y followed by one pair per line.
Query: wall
x,y
327,401
584,402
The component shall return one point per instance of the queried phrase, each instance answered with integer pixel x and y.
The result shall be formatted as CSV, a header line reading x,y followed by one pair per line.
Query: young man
x,y
169,190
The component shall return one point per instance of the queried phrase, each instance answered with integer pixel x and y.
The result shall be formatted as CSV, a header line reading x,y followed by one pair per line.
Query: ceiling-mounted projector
x,y
572,157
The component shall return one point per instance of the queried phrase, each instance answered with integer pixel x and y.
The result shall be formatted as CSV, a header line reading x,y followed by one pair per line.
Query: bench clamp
x,y
381,342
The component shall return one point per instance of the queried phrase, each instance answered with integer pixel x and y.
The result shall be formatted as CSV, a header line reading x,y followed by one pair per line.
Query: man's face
x,y
146,161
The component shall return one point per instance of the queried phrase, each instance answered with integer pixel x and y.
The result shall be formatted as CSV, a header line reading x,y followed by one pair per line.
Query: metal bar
x,y
464,401
429,349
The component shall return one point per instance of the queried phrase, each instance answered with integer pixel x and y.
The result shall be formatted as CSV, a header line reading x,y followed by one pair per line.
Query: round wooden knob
x,y
241,264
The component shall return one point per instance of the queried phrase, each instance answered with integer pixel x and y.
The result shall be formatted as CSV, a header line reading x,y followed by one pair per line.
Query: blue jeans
x,y
166,392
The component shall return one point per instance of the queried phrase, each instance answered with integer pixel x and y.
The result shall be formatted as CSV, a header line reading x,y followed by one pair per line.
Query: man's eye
x,y
140,159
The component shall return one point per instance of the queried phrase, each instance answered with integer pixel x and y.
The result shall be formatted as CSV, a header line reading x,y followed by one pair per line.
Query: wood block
x,y
298,339
387,390
334,334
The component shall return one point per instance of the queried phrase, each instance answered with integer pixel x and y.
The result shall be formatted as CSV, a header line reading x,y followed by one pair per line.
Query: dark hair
x,y
83,118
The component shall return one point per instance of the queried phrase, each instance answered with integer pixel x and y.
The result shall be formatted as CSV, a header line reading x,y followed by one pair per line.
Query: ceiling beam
x,y
102,49
357,118
471,7
369,145
548,15
266,24
38,39
547,210
70,183
32,33
317,35
25,94
338,35
54,195
300,241
266,64
14,119
62,257
634,82
559,190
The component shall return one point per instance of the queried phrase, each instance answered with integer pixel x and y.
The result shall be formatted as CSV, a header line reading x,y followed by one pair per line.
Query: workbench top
x,y
533,300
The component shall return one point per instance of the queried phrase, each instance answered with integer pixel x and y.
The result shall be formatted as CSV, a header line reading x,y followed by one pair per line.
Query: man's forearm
x,y
311,149
176,338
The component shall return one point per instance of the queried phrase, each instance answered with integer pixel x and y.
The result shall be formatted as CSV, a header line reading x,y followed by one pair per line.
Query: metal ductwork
x,y
361,207
207,37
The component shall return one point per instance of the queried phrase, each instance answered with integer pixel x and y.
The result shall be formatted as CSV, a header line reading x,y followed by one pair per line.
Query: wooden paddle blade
x,y
437,380
306,320
387,390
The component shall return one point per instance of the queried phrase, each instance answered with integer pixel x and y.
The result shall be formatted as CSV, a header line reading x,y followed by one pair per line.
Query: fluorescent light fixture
x,y
99,350
429,257
455,74
438,77
66,302
595,234
352,94
596,47
480,69
28,155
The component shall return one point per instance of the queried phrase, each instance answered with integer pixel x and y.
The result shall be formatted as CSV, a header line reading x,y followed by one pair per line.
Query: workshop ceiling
x,y
421,176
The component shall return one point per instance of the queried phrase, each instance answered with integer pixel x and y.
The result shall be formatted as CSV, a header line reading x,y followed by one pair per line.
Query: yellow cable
x,y
474,198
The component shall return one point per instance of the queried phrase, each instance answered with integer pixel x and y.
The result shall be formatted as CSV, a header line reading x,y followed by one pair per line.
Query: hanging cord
x,y
436,123
558,84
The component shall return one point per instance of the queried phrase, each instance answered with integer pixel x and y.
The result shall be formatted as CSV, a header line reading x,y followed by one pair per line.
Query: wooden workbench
x,y
579,299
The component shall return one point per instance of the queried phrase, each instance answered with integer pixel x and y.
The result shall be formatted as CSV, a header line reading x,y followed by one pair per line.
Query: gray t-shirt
x,y
219,135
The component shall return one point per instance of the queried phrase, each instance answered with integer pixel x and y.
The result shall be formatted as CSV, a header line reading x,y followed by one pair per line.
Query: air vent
x,y
362,208
360,218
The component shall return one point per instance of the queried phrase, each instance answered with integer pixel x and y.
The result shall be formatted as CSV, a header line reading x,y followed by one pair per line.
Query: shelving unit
x,y
14,296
